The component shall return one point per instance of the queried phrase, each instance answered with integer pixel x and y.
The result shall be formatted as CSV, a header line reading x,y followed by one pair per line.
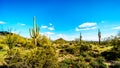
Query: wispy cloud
x,y
51,28
86,26
43,26
93,27
48,33
1,22
116,28
21,24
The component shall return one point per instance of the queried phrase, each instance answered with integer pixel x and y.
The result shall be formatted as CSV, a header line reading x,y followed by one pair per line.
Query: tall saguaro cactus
x,y
80,38
99,35
34,32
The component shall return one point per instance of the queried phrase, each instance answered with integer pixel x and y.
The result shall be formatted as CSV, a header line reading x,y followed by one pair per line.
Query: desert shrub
x,y
81,62
95,64
62,51
93,54
85,48
70,50
82,65
116,65
81,58
114,53
61,46
41,57
65,46
68,63
11,40
89,53
1,47
43,41
109,55
63,65
98,63
88,59
84,54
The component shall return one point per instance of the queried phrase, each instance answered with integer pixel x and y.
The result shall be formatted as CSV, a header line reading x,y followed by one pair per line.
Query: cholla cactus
x,y
34,32
99,35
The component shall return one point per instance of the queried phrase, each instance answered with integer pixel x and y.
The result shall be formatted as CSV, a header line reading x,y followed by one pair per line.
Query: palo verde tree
x,y
99,35
34,32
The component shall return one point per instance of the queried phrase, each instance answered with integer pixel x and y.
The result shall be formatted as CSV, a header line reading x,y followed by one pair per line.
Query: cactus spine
x,y
34,32
99,35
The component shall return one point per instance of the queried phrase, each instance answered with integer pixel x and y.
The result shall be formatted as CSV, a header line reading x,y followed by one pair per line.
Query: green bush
x,y
84,48
63,65
88,59
110,55
82,65
98,63
41,57
70,50
68,63
1,47
116,65
93,54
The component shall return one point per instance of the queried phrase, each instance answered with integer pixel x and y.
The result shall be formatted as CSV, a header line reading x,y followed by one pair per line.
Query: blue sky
x,y
62,18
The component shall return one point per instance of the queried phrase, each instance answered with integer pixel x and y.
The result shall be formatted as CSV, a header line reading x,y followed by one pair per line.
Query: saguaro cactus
x,y
99,35
80,38
34,32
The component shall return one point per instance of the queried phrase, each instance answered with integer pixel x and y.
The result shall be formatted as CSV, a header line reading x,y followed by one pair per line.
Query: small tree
x,y
99,35
34,32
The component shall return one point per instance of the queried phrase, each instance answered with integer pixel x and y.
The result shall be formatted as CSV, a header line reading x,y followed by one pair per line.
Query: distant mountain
x,y
60,41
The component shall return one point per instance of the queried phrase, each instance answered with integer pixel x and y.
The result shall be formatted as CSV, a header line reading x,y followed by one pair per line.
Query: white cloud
x,y
93,27
51,28
116,28
22,24
85,29
48,33
60,35
88,24
1,22
43,26
77,29
47,27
